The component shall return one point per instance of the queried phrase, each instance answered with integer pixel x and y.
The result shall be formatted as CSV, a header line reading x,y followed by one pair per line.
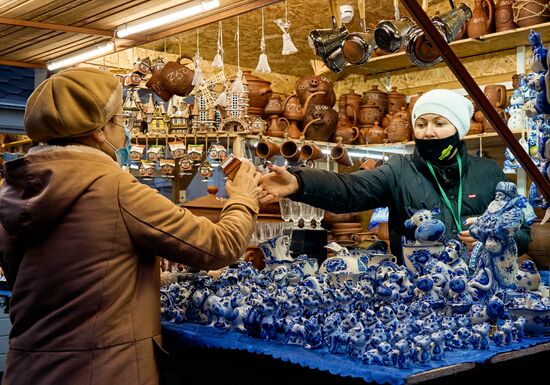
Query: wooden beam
x,y
22,64
220,14
55,27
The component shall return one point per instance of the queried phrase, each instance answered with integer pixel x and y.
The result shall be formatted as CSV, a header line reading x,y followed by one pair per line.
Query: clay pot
x,y
259,92
482,18
386,120
396,100
274,106
369,113
504,16
176,78
353,101
375,134
155,85
526,11
496,93
540,244
398,130
312,84
380,98
323,121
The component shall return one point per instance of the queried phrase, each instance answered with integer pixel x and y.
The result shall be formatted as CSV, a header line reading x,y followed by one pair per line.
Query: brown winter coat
x,y
79,249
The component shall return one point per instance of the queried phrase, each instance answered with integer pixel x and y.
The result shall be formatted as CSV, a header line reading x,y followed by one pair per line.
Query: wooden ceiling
x,y
34,32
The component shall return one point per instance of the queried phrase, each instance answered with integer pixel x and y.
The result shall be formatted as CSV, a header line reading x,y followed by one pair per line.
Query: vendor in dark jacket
x,y
440,173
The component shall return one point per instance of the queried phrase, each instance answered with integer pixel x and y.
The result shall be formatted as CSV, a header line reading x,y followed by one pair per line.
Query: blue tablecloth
x,y
193,335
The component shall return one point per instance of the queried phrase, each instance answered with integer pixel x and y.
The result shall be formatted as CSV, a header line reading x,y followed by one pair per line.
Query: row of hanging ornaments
x,y
179,118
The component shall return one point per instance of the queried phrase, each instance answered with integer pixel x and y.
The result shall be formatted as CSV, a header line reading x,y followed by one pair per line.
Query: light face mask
x,y
122,154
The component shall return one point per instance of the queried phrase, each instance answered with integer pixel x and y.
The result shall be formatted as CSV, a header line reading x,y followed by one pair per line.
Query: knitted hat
x,y
455,108
74,102
507,188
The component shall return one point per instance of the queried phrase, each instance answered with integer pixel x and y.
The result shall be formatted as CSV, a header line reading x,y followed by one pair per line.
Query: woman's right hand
x,y
277,183
246,180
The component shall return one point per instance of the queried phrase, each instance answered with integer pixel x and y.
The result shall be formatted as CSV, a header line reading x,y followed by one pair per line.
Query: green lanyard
x,y
456,217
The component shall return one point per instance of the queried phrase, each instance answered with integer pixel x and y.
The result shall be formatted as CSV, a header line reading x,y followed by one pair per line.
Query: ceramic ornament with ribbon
x,y
198,79
238,86
218,58
263,65
288,46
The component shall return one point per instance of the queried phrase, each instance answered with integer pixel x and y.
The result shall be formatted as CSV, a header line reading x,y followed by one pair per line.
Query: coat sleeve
x,y
344,193
159,227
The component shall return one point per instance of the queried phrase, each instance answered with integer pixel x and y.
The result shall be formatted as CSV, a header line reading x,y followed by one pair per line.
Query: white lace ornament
x,y
198,79
263,66
288,46
238,86
218,58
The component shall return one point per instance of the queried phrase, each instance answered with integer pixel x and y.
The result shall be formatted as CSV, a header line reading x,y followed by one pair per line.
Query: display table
x,y
217,346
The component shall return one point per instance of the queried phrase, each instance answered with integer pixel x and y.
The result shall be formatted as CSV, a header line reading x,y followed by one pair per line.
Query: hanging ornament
x,y
198,79
288,46
221,100
263,65
238,86
218,58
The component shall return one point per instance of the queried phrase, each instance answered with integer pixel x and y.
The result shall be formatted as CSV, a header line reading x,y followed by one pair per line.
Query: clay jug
x,y
530,12
369,113
277,127
348,134
292,108
292,129
376,134
386,120
504,15
396,100
482,18
176,78
398,129
353,101
496,93
380,98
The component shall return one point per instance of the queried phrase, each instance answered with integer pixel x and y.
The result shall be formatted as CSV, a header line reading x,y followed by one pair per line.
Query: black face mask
x,y
438,151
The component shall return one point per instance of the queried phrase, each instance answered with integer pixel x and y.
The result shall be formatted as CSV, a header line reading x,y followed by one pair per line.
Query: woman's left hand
x,y
466,237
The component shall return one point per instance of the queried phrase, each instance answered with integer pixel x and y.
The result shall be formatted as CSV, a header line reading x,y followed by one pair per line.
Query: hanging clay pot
x,y
482,18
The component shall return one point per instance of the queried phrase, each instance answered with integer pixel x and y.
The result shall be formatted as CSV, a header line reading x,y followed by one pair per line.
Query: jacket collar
x,y
47,148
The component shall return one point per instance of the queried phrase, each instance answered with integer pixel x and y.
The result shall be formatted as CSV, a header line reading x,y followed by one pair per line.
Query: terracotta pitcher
x,y
277,127
482,18
504,15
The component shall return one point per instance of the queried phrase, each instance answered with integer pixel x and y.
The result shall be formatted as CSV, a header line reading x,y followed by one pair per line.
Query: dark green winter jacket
x,y
402,182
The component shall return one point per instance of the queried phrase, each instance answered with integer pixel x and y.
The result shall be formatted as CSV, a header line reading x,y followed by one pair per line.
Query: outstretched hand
x,y
466,237
246,180
277,183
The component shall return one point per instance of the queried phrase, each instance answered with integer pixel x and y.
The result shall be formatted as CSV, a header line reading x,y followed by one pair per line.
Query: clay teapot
x,y
375,134
274,106
318,85
369,113
396,100
380,98
293,110
504,16
259,92
325,119
482,18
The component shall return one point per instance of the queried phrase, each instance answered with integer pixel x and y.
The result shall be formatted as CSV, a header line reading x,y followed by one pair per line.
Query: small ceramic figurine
x,y
402,356
378,356
460,300
425,291
428,229
437,348
528,277
276,251
422,346
358,341
537,62
480,336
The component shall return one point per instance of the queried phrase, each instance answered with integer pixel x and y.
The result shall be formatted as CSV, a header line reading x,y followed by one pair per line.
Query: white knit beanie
x,y
454,107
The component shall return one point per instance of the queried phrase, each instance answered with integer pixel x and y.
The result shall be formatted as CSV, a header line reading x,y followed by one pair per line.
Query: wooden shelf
x,y
493,42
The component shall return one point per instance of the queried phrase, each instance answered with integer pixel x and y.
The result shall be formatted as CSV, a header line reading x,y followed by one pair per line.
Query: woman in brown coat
x,y
80,239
